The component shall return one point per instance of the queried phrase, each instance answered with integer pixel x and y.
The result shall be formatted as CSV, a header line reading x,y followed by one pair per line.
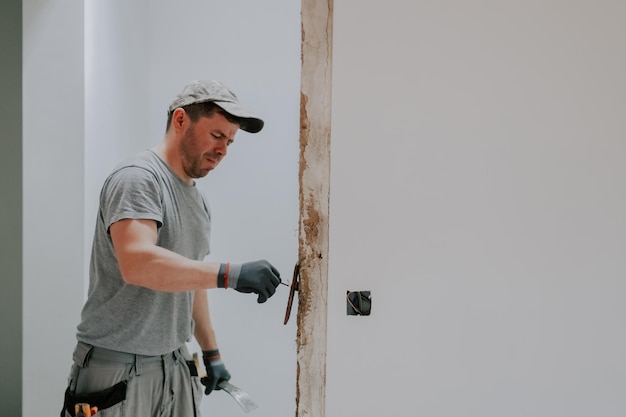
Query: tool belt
x,y
101,399
109,397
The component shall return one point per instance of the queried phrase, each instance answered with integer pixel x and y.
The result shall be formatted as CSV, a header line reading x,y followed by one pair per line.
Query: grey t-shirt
x,y
126,317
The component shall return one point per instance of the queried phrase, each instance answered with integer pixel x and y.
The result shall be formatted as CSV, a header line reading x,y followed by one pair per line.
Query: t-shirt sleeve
x,y
131,193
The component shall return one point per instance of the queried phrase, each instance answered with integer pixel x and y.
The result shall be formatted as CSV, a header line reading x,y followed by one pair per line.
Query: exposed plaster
x,y
314,179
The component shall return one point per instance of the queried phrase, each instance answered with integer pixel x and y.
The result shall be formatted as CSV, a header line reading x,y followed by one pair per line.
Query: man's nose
x,y
221,149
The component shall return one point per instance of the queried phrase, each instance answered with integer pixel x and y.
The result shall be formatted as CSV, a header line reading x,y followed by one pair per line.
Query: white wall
x,y
53,197
137,56
477,190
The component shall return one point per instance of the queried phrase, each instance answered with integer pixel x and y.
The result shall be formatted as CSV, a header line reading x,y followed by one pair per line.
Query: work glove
x,y
216,371
258,277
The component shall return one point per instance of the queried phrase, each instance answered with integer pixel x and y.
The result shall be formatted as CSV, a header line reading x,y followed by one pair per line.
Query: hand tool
x,y
242,397
292,291
239,395
84,410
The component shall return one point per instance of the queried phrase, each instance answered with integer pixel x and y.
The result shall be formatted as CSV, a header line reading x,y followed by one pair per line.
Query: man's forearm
x,y
163,270
203,330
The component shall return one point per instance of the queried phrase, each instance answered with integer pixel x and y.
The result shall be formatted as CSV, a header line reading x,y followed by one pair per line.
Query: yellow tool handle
x,y
84,410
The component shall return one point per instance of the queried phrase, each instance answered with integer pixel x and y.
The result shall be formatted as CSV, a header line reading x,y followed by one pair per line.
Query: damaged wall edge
x,y
314,182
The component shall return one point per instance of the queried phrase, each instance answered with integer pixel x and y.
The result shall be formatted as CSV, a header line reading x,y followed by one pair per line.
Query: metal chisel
x,y
242,397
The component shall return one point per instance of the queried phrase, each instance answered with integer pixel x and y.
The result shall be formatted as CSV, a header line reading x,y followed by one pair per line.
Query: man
x,y
148,280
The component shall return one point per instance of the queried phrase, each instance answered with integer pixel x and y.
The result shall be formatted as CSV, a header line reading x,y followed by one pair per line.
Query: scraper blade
x,y
242,397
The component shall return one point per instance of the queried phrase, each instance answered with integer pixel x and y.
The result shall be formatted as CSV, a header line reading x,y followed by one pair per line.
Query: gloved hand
x,y
259,277
216,371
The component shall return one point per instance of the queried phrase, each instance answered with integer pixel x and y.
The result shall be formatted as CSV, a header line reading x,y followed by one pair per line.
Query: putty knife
x,y
242,397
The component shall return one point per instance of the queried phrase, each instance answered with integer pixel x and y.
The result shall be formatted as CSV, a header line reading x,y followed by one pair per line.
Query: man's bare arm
x,y
203,330
145,264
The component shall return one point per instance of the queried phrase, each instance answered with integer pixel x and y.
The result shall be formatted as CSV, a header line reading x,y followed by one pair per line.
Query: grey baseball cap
x,y
202,91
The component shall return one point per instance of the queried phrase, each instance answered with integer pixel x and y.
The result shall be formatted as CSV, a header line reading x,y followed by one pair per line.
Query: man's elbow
x,y
132,272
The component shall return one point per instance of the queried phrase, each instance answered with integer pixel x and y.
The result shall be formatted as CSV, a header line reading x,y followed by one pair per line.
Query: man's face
x,y
204,144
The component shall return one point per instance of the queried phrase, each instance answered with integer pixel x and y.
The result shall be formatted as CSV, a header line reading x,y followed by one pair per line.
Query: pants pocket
x,y
198,393
196,386
109,401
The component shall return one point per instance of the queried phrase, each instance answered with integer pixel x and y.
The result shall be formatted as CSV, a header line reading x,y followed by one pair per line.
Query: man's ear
x,y
179,118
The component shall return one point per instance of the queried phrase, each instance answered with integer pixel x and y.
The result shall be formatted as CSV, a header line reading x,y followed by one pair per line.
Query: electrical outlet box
x,y
358,303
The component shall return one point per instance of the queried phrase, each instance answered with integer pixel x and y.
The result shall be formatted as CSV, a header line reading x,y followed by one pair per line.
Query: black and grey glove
x,y
258,277
216,371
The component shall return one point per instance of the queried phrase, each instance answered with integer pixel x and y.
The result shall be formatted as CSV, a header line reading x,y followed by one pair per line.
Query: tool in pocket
x,y
84,410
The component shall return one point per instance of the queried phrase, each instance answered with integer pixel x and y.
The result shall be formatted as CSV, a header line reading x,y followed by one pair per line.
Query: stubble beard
x,y
191,156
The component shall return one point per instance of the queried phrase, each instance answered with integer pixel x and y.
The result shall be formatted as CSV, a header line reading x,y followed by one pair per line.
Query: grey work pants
x,y
128,385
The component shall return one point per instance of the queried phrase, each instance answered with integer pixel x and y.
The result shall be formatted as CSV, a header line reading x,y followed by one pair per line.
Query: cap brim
x,y
251,123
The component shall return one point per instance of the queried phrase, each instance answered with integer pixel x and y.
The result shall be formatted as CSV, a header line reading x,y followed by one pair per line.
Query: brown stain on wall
x,y
309,244
304,140
304,129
